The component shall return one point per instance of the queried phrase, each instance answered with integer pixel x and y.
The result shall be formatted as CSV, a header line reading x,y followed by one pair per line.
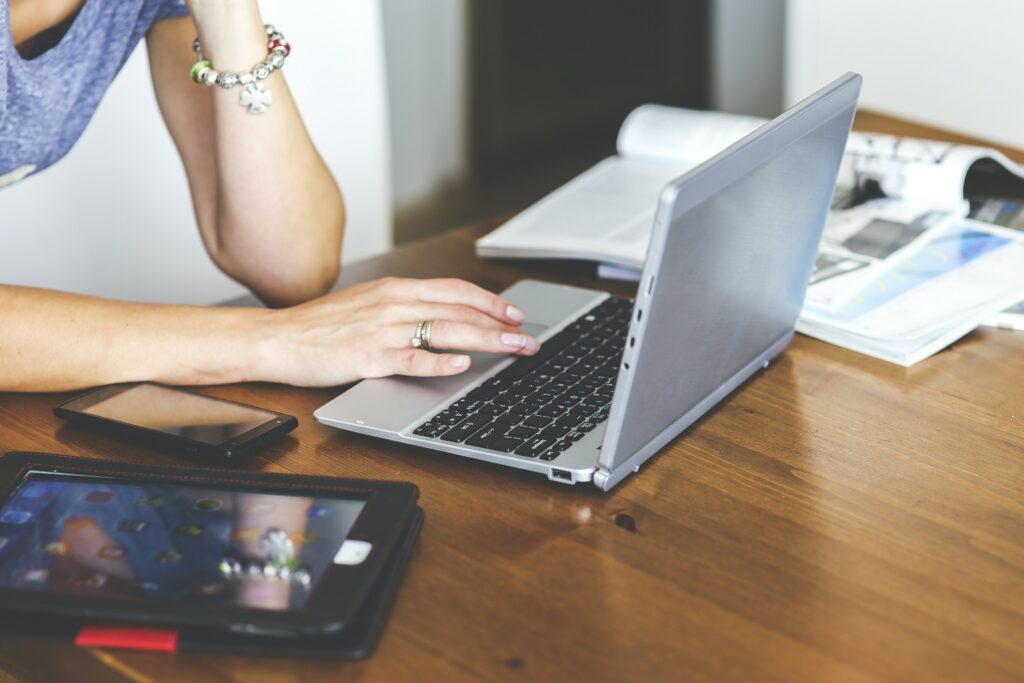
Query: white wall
x,y
427,67
428,90
747,56
114,218
950,63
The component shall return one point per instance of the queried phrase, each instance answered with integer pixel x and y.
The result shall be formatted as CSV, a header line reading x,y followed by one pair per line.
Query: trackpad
x,y
395,403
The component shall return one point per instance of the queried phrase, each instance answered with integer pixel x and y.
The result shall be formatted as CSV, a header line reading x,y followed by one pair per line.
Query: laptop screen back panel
x,y
726,274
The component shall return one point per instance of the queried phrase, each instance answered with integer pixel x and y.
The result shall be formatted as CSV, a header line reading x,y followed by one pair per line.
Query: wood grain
x,y
837,519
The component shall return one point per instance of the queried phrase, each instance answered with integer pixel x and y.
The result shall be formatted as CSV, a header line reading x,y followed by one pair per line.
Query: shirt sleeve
x,y
4,47
168,10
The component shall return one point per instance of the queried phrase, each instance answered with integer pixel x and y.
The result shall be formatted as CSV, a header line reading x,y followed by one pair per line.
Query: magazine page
x,y
607,213
858,244
604,214
657,132
928,171
963,267
1009,214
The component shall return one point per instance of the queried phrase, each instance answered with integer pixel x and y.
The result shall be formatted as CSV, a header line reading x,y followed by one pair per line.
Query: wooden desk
x,y
837,519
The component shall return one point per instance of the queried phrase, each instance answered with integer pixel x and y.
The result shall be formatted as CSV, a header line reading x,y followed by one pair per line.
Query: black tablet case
x,y
356,641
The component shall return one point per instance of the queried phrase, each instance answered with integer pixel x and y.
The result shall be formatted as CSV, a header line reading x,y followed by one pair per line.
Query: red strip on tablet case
x,y
128,638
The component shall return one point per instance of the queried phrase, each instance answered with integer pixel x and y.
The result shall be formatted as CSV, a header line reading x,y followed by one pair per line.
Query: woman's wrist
x,y
265,340
231,32
213,346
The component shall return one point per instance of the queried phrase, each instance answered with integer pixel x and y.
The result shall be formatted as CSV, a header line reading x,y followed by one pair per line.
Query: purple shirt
x,y
46,102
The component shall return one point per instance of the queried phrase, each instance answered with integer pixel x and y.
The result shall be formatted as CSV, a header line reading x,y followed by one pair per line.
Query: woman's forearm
x,y
52,341
278,217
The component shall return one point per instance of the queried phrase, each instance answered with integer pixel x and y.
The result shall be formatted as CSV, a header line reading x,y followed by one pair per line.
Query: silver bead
x,y
261,72
196,47
211,77
276,59
245,78
227,80
270,29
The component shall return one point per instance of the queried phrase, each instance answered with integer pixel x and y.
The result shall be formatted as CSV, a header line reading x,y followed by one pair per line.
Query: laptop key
x,y
508,419
524,366
482,393
487,435
430,429
497,383
535,446
555,432
556,450
505,444
552,411
466,405
539,398
538,421
506,400
522,432
449,417
564,402
521,410
569,421
465,429
491,410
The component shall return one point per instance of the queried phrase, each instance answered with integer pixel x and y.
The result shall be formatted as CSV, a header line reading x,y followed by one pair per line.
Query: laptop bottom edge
x,y
563,473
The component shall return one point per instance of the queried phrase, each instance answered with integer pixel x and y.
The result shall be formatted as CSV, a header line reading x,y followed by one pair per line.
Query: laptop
x,y
616,379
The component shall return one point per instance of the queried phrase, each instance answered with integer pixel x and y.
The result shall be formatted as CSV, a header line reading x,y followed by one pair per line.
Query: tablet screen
x,y
102,537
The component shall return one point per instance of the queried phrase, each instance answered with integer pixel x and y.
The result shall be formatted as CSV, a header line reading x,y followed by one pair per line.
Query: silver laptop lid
x,y
733,244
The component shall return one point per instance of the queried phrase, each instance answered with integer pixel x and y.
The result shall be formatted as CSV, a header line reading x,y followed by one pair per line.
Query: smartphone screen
x,y
180,413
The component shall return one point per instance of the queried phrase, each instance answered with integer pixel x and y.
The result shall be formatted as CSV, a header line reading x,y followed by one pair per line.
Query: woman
x,y
269,212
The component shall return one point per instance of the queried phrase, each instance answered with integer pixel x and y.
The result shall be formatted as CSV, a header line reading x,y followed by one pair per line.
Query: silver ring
x,y
421,339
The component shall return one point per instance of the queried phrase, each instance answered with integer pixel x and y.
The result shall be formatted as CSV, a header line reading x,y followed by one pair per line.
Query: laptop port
x,y
561,475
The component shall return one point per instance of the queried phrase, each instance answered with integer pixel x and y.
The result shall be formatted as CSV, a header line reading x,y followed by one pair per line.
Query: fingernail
x,y
517,341
515,314
458,361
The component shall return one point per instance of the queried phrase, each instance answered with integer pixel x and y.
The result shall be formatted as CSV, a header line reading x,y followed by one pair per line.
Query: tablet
x,y
253,553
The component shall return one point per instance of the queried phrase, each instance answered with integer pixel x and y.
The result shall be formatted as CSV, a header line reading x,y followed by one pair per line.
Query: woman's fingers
x,y
452,335
416,363
400,312
454,291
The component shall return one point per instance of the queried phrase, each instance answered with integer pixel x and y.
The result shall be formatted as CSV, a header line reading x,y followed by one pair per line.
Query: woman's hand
x,y
366,331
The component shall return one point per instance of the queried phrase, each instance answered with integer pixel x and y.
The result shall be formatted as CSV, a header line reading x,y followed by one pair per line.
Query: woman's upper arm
x,y
188,113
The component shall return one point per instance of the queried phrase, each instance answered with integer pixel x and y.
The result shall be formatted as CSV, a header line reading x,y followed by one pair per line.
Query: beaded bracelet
x,y
254,95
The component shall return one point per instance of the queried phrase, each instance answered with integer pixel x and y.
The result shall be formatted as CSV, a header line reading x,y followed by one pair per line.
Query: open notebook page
x,y
606,213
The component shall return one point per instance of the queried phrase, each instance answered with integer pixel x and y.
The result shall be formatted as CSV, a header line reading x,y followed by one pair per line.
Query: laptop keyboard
x,y
542,404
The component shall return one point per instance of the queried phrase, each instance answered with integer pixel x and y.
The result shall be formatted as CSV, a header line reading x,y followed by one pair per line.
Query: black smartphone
x,y
252,553
178,421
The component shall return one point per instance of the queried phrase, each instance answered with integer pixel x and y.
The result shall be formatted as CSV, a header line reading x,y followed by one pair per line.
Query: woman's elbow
x,y
300,283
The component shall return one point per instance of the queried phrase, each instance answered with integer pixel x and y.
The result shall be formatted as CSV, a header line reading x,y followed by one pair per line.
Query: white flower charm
x,y
256,97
